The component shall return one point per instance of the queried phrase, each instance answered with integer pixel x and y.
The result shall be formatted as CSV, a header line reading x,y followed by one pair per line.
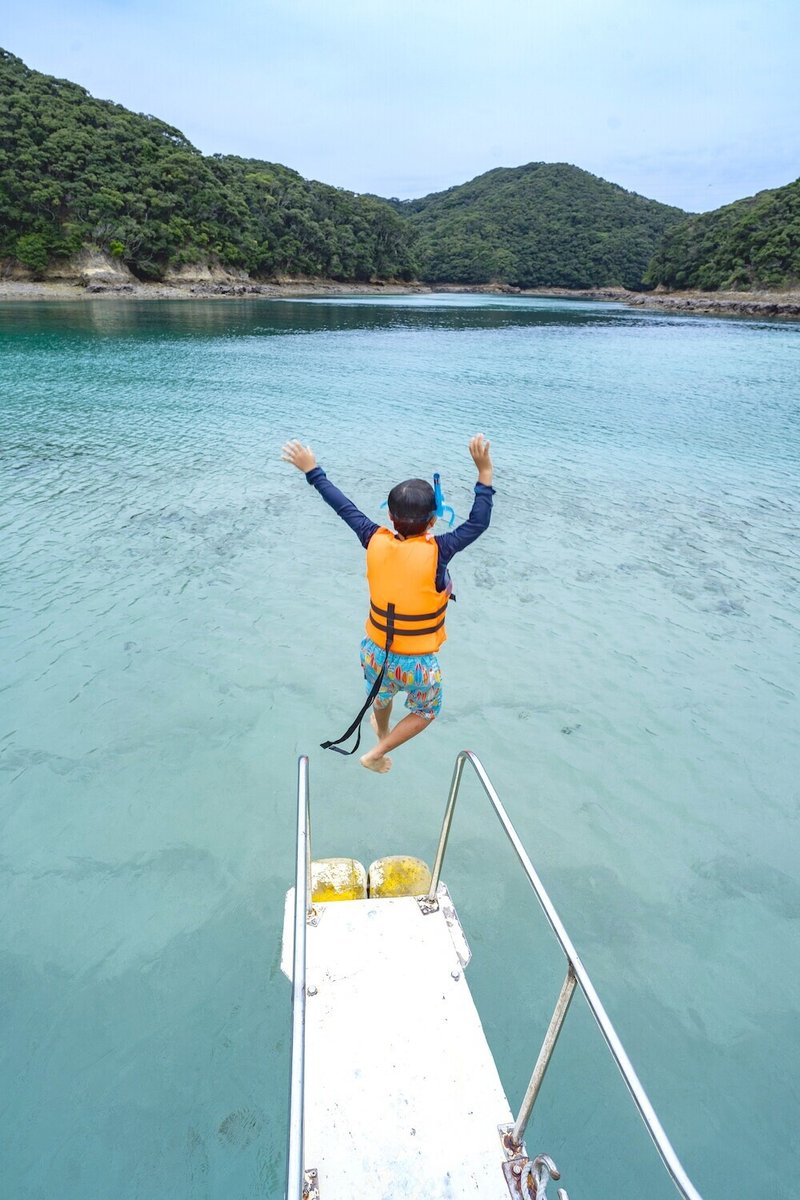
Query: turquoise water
x,y
181,617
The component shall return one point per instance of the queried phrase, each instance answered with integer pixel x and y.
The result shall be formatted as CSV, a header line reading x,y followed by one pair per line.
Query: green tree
x,y
31,251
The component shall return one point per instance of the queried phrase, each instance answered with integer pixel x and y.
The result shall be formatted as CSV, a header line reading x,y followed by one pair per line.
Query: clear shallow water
x,y
181,617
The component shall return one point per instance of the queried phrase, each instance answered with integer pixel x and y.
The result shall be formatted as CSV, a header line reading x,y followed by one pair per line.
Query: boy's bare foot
x,y
380,763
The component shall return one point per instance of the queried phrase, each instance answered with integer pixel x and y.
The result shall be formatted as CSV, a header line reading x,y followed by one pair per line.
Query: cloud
x,y
674,101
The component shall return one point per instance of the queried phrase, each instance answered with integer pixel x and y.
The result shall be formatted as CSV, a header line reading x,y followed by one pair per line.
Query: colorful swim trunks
x,y
419,675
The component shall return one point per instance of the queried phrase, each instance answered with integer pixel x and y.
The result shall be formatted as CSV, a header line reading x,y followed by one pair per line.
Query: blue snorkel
x,y
438,497
441,507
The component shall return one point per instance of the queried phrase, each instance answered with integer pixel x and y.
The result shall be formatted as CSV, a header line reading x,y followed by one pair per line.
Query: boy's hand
x,y
299,456
479,449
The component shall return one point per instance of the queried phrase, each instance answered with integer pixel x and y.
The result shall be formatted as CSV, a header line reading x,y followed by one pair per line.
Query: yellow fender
x,y
398,875
337,879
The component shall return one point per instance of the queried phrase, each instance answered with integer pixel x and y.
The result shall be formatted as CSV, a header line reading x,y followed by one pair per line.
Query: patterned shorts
x,y
418,675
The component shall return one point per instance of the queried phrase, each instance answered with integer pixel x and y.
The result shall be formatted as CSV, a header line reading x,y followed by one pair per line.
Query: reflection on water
x,y
240,318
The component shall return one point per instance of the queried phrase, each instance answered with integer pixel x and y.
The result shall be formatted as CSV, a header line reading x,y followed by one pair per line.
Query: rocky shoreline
x,y
61,290
95,276
751,304
765,304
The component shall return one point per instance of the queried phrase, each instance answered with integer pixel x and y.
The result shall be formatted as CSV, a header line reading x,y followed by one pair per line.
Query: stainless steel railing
x,y
576,974
295,1174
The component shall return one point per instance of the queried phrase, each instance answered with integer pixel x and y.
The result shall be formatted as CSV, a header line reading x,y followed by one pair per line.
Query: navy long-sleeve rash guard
x,y
448,544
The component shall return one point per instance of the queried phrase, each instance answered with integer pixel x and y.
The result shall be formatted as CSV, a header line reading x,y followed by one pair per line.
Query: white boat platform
x,y
400,1087
394,1092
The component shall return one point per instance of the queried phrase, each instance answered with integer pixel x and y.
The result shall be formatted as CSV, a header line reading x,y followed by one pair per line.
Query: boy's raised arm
x,y
304,459
479,449
299,456
481,512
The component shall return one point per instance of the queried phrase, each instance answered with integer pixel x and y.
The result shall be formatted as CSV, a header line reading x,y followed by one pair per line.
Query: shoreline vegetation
x,y
220,286
96,200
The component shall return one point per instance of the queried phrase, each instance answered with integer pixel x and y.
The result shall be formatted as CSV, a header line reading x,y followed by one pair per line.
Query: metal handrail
x,y
302,899
575,972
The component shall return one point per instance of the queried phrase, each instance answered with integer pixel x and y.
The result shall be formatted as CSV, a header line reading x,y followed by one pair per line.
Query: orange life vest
x,y
402,584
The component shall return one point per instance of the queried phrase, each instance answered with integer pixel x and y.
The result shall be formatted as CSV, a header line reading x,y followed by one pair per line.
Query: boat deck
x,y
401,1088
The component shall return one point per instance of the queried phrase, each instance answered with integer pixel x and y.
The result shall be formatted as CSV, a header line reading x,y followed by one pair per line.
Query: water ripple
x,y
180,618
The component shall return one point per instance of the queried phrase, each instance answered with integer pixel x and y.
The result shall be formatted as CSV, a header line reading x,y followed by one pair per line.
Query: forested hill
x,y
77,170
541,225
752,243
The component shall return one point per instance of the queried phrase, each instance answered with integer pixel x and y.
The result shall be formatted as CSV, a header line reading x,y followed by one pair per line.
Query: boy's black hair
x,y
411,506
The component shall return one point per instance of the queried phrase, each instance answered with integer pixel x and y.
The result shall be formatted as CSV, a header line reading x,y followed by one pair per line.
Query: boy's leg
x,y
423,683
404,730
425,703
380,719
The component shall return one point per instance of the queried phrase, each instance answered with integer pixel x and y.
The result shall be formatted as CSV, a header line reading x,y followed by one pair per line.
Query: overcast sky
x,y
692,102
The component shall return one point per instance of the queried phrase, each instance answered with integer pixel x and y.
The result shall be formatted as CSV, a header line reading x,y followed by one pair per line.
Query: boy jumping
x,y
409,590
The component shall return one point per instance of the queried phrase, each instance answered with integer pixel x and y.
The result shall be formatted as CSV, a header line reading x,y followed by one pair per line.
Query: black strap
x,y
373,692
431,616
375,612
409,632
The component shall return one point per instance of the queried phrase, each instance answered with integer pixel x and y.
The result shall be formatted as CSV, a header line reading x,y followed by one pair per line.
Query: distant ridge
x,y
78,173
76,170
752,243
540,225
